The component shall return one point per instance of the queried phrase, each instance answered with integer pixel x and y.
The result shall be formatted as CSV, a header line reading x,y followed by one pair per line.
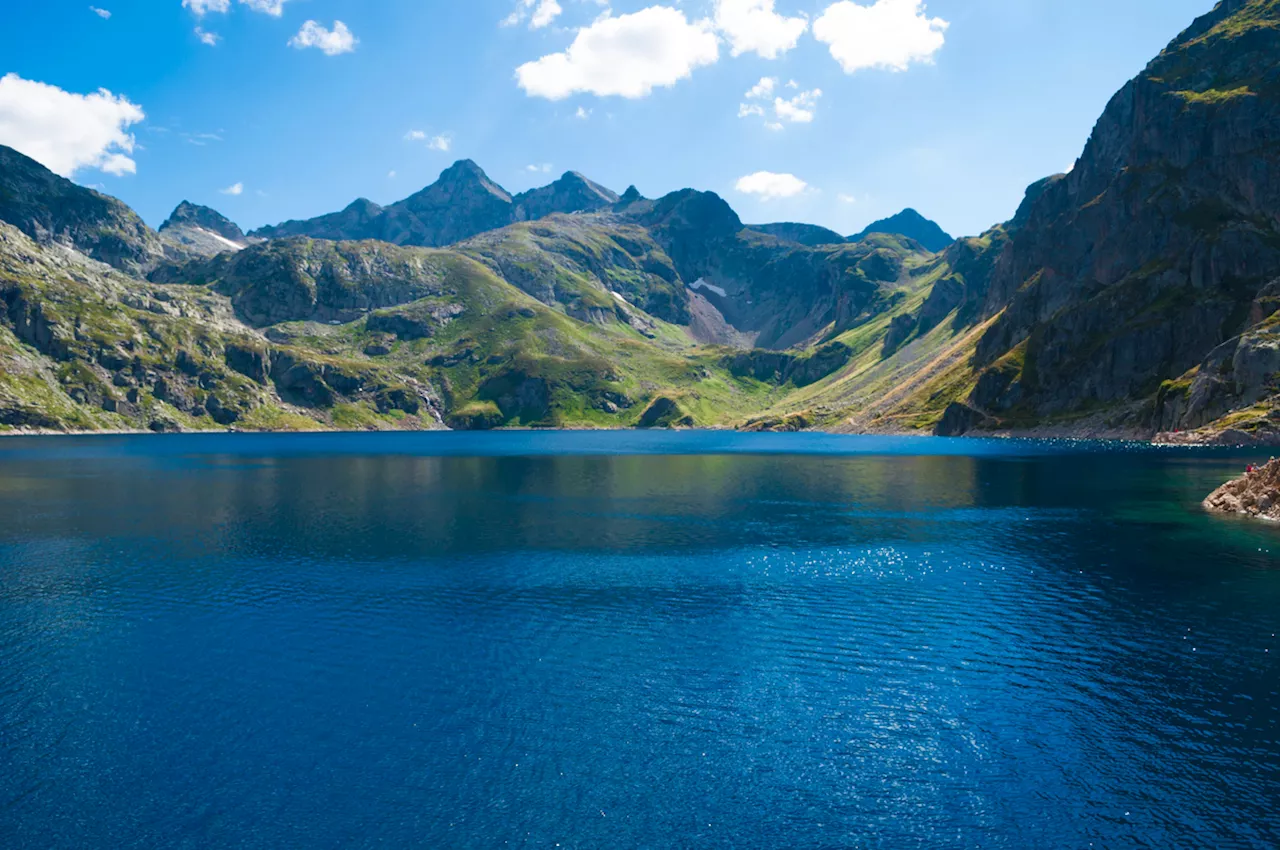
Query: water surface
x,y
631,640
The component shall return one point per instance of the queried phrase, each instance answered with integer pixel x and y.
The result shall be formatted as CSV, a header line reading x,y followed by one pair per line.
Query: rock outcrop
x,y
1256,494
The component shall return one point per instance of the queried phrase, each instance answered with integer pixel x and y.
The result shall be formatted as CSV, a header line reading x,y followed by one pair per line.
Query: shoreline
x,y
1158,441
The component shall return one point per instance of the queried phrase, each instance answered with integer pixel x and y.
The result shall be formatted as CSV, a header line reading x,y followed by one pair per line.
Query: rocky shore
x,y
1256,493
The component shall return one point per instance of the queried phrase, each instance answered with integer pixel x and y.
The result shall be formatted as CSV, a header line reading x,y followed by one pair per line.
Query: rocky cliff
x,y
1135,287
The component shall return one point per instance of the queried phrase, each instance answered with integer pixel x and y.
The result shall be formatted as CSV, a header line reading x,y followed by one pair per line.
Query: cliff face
x,y
1132,270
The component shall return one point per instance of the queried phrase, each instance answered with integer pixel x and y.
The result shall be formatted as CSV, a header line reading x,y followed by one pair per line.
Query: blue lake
x,y
631,640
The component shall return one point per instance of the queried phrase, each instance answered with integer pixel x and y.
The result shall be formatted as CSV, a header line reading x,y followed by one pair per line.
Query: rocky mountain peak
x,y
631,196
206,218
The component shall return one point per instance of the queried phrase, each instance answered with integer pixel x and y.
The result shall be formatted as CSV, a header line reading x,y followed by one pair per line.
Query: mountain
x,y
360,220
911,224
464,202
571,193
53,210
804,234
1141,287
1137,296
200,230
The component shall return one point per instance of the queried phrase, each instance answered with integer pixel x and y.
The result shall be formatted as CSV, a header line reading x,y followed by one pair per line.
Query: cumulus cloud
x,y
746,110
101,13
753,26
209,38
274,8
628,56
332,42
442,143
233,189
769,186
200,8
582,114
66,132
889,35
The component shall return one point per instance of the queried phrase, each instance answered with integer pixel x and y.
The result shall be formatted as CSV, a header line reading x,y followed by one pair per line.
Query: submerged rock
x,y
1256,493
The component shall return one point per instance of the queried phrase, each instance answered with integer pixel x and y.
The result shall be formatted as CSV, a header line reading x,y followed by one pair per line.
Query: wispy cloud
x,y
331,42
101,13
209,38
233,189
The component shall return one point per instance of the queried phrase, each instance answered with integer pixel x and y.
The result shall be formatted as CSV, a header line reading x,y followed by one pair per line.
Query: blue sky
x,y
949,106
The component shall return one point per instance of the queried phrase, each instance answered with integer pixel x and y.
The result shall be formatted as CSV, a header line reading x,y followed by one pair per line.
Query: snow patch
x,y
702,284
234,246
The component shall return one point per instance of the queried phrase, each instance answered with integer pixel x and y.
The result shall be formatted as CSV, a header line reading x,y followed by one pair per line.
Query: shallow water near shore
x,y
623,639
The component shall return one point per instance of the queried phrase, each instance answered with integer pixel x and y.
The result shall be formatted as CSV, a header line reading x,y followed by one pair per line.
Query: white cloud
x,y
769,186
274,8
415,136
101,13
332,42
441,143
764,88
846,199
209,38
628,56
752,26
234,189
582,114
774,126
66,132
200,8
545,168
889,35
547,11
799,109
540,13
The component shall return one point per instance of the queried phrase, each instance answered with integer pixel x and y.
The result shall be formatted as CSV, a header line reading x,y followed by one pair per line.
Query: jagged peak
x,y
207,218
631,196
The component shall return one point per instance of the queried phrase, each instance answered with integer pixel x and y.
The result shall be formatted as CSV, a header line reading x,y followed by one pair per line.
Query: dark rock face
x,y
52,209
803,234
912,225
1134,268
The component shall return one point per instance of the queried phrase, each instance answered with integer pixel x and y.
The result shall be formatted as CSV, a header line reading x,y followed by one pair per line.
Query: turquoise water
x,y
631,640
